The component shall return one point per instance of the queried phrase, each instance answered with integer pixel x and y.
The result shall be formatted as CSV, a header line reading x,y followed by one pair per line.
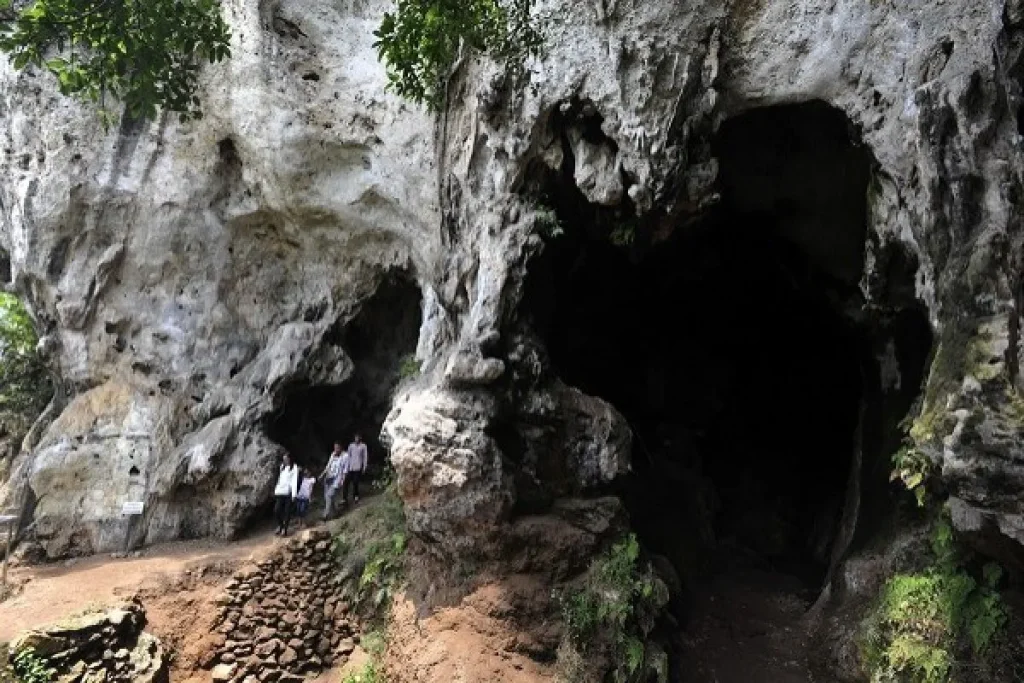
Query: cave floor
x,y
745,627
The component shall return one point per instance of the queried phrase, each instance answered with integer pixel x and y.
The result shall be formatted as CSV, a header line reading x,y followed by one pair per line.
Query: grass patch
x,y
931,623
609,615
375,643
370,544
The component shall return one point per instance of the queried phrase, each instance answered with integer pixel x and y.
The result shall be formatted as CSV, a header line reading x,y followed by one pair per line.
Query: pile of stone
x,y
284,617
99,647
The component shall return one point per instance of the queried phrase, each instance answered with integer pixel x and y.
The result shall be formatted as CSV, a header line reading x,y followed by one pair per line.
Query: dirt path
x,y
746,629
53,592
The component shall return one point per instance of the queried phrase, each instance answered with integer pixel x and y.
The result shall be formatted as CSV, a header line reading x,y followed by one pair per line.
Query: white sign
x,y
133,508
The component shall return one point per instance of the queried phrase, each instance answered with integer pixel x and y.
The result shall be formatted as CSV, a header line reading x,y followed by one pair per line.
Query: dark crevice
x,y
385,331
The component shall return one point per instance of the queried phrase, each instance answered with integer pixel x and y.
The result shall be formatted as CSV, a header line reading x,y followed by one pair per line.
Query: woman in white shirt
x,y
284,493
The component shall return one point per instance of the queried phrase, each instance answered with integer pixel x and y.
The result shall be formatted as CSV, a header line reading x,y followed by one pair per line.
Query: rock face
x,y
100,646
187,276
932,92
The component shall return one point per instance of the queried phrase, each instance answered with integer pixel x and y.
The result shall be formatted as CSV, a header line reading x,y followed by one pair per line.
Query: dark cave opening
x,y
377,340
736,347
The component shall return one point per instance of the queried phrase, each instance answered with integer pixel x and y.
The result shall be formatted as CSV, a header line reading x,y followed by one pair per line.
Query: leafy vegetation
x,y
623,236
145,53
929,623
422,39
912,467
24,667
372,672
370,546
547,223
410,367
612,611
25,385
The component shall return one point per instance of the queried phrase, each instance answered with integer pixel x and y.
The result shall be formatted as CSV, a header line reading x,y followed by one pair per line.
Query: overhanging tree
x,y
145,53
422,39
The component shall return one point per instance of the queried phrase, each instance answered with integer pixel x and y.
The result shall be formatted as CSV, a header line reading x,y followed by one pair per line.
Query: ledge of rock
x,y
99,646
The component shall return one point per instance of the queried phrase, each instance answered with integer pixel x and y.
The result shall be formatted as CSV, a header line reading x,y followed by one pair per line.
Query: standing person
x,y
304,495
332,478
284,493
357,458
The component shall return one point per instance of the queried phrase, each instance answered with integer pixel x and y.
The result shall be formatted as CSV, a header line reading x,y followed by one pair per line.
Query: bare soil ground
x,y
477,640
747,627
495,633
177,582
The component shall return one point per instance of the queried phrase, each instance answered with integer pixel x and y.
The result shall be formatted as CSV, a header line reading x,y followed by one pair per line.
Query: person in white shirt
x,y
285,491
332,476
357,459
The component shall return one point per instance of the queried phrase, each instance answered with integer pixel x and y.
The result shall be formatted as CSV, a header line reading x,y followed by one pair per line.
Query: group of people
x,y
294,488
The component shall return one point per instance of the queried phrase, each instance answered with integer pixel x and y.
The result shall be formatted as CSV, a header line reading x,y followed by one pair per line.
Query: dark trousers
x,y
282,512
351,482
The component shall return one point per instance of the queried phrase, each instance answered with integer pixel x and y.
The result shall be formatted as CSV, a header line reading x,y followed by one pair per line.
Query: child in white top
x,y
305,494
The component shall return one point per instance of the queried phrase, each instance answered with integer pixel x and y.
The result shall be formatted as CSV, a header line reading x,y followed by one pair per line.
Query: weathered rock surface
x,y
187,275
931,90
99,646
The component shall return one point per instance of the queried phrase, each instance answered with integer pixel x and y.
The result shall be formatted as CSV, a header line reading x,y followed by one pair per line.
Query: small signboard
x,y
133,508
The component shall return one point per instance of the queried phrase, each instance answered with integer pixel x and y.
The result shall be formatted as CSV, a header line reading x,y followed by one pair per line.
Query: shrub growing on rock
x,y
370,545
609,615
931,622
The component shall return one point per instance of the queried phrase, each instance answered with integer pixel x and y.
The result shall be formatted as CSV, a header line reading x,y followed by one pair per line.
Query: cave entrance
x,y
381,337
732,346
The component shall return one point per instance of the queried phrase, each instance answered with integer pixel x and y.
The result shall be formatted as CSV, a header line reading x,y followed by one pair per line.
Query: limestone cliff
x,y
186,277
189,279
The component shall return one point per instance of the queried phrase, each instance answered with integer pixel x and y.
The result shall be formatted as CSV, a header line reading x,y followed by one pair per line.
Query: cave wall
x,y
184,275
932,91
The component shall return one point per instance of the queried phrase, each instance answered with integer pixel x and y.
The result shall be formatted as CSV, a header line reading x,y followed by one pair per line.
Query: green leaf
x,y
144,53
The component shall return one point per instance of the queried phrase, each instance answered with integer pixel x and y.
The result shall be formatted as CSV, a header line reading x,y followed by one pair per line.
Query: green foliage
x,y
547,223
422,39
375,643
25,386
410,367
622,236
370,546
612,607
383,570
372,672
927,622
912,467
27,667
145,53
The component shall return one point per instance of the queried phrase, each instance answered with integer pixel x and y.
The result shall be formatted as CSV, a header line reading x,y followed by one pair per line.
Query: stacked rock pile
x,y
284,617
100,647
